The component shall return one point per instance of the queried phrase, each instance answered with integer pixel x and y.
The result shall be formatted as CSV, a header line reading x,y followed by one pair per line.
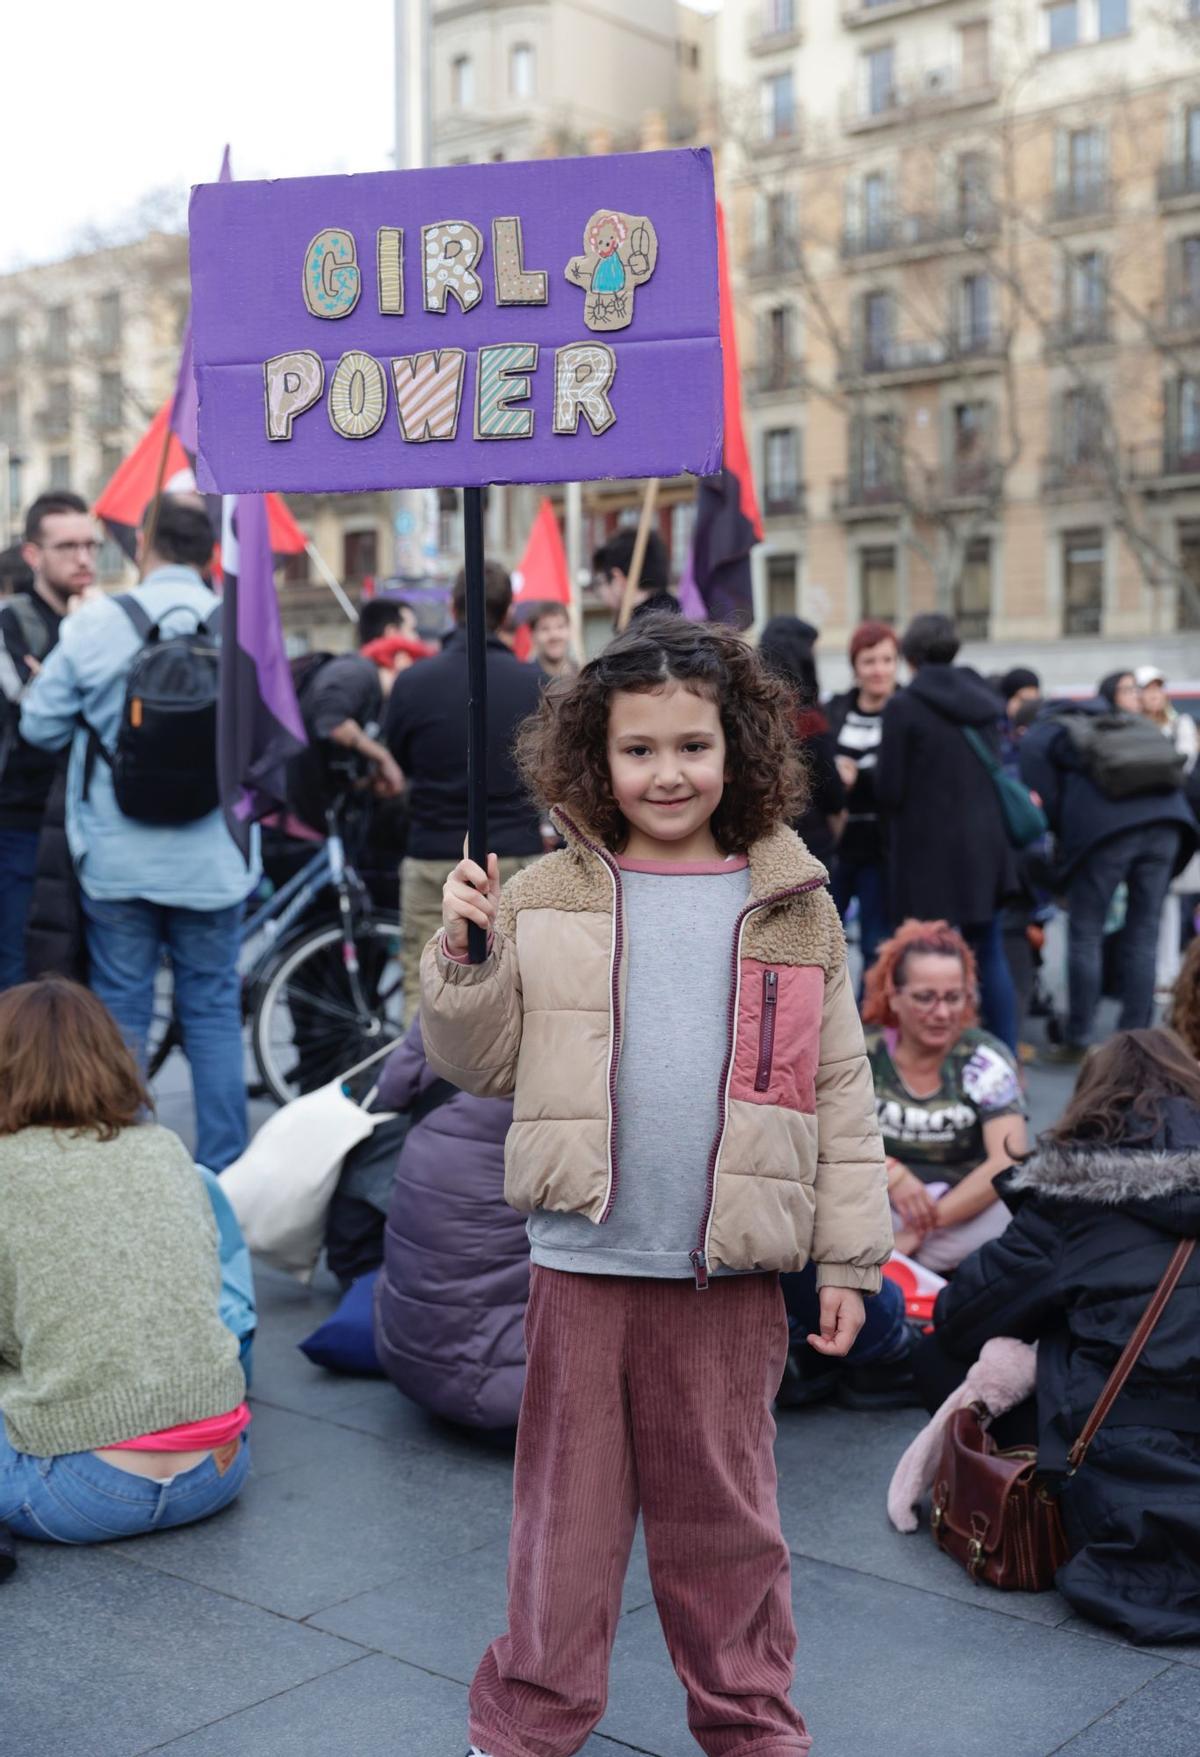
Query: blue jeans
x,y
884,1332
998,997
125,940
863,879
1144,859
78,1498
18,861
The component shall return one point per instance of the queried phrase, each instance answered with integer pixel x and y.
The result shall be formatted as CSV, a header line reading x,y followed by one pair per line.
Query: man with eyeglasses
x,y
60,546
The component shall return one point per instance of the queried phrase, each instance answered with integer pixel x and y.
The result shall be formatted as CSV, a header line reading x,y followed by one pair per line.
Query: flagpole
x,y
151,525
573,520
330,578
633,578
477,829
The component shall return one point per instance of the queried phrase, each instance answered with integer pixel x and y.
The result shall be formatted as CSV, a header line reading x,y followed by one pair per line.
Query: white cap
x,y
1148,674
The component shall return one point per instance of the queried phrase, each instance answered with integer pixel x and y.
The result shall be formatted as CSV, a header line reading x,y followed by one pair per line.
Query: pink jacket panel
x,y
778,1041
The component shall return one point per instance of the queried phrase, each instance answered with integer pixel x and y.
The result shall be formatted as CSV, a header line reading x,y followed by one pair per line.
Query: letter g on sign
x,y
332,282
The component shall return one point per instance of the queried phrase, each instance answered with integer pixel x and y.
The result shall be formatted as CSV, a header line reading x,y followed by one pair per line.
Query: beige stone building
x,y
89,347
967,245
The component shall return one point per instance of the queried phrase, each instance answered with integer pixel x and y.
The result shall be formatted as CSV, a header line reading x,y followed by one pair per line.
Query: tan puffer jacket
x,y
796,1169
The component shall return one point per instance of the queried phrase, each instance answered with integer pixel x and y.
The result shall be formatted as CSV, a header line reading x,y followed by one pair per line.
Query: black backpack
x,y
1124,754
164,763
37,640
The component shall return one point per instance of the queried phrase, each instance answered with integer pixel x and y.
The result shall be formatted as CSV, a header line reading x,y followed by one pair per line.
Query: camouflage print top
x,y
940,1136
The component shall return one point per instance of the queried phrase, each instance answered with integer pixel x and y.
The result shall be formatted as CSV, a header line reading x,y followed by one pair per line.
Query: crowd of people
x,y
666,1078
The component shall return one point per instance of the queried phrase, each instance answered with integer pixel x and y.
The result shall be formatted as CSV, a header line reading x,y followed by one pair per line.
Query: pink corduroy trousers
x,y
645,1394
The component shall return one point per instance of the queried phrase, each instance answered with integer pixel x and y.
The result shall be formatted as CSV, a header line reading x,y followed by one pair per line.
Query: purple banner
x,y
544,322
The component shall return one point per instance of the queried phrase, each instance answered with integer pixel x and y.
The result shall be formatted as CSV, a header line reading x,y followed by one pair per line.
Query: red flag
x,y
737,458
541,575
129,490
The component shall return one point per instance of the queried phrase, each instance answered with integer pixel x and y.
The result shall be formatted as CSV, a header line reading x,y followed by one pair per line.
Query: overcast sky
x,y
105,101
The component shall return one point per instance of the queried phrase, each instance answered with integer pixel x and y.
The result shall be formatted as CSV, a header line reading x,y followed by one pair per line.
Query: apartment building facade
x,y
967,245
89,347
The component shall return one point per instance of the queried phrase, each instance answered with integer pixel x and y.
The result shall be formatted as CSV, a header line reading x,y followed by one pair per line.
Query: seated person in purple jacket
x,y
450,1299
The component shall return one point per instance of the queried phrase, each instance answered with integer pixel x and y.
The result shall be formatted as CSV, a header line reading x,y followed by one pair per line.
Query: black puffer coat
x,y
1092,1233
55,943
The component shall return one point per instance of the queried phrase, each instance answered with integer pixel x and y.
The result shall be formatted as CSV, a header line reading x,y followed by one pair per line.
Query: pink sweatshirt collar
x,y
684,868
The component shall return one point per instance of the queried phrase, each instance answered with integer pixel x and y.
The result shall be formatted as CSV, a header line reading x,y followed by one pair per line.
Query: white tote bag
x,y
283,1183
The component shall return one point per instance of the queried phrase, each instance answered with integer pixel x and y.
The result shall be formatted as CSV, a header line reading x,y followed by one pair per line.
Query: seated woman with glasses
x,y
947,1095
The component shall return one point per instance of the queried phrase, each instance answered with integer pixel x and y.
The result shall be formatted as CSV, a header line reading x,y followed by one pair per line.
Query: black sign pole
x,y
477,826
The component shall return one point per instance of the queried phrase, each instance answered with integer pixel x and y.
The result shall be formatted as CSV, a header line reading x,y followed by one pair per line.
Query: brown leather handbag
x,y
991,1510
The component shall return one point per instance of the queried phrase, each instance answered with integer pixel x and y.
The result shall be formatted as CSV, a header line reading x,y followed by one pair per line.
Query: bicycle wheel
x,y
306,1026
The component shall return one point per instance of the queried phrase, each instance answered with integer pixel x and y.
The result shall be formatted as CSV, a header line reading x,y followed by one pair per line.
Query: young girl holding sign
x,y
668,999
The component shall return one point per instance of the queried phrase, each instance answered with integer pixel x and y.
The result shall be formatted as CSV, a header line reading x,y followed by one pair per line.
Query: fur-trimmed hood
x,y
1162,1182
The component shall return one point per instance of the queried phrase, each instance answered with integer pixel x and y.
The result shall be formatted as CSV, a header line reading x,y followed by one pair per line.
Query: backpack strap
x,y
1132,1352
143,623
143,626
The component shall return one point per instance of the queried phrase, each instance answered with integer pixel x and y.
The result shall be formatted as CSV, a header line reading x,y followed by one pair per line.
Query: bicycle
x,y
320,998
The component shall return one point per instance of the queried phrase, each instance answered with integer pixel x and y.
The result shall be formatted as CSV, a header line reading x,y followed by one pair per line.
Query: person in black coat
x,y
948,853
1097,1212
786,645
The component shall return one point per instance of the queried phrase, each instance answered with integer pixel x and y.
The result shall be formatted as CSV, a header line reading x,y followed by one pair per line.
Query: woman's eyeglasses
x,y
925,999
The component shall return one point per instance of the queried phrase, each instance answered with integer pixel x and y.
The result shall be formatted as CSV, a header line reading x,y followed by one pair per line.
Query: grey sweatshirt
x,y
679,925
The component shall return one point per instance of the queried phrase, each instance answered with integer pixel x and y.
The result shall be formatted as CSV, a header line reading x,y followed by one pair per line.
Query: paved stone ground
x,y
339,1608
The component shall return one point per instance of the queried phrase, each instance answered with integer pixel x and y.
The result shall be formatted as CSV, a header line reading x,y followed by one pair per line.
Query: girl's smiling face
x,y
666,759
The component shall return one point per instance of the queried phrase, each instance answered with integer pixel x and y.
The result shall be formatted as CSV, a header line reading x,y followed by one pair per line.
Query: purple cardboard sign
x,y
545,322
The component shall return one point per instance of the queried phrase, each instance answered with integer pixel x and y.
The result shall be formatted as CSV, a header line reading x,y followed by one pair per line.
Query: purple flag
x,y
259,725
184,404
721,545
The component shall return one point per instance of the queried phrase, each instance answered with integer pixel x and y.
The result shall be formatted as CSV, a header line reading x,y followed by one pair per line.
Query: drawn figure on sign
x,y
620,251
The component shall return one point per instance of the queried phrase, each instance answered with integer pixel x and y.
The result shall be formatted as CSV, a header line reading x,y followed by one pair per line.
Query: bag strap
x,y
986,757
137,614
1132,1352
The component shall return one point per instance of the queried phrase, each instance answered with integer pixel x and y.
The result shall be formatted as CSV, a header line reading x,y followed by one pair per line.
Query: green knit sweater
x,y
109,1288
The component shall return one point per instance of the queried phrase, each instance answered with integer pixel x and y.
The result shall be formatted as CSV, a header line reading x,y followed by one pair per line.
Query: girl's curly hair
x,y
1184,1015
932,937
562,750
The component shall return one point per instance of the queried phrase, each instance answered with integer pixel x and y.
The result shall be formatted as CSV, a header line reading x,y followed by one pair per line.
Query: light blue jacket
x,y
196,865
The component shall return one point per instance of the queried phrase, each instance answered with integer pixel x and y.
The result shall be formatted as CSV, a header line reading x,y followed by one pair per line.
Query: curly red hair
x,y
935,938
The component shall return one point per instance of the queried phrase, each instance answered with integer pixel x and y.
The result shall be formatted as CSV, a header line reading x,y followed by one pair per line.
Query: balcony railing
x,y
778,373
1180,316
781,256
779,136
972,479
927,355
1175,459
783,502
1090,199
52,423
1080,329
856,13
863,496
919,231
906,100
769,36
1179,180
1081,473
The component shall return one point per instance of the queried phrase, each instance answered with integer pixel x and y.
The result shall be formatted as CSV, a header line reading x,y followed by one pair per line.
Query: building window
x,y
1191,137
781,585
111,459
877,585
58,407
974,313
971,191
60,469
1112,18
1183,437
1083,426
975,54
1085,162
111,397
879,73
879,324
10,418
16,492
971,442
875,205
58,332
1087,297
360,555
779,17
10,341
462,82
779,106
522,70
973,591
1062,24
1189,560
108,323
111,561
1083,582
683,524
781,453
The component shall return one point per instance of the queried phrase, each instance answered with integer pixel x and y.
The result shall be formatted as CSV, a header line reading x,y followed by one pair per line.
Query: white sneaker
x,y
476,1752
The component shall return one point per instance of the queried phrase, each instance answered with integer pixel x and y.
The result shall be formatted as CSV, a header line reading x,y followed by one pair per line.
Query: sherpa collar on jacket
x,y
779,861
